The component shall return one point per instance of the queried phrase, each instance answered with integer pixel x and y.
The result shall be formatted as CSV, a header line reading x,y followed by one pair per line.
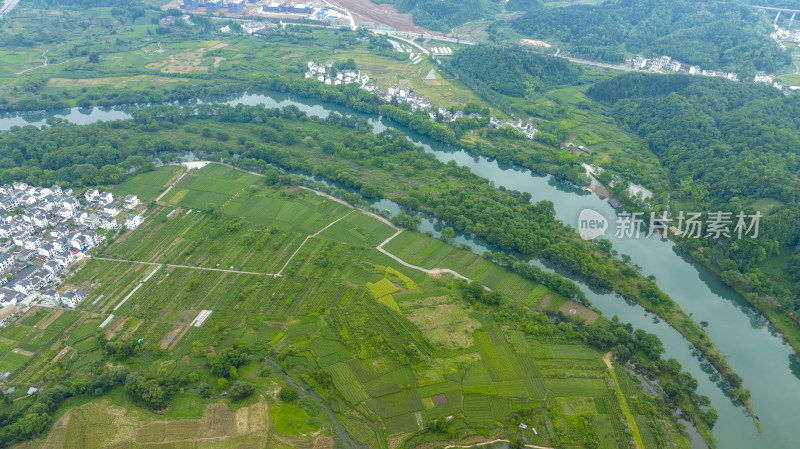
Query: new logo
x,y
591,224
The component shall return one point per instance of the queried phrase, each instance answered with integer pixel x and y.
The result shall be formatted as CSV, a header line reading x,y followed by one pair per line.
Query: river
x,y
752,346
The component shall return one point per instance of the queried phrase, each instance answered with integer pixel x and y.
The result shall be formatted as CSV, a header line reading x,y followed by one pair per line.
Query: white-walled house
x,y
133,221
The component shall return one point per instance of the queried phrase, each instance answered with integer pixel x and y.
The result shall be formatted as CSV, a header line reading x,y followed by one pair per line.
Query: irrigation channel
x,y
754,349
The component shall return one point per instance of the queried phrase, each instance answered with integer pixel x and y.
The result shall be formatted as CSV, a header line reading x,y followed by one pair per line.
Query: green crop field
x,y
390,349
148,185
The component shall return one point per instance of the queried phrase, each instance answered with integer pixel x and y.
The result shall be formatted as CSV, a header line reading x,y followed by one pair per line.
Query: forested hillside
x,y
728,146
443,15
716,36
512,71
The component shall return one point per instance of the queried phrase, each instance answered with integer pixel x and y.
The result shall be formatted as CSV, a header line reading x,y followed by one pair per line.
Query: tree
x,y
222,383
408,221
710,416
448,234
474,291
204,390
240,390
288,394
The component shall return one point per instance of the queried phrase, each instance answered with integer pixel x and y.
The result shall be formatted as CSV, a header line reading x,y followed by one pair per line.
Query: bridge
x,y
778,15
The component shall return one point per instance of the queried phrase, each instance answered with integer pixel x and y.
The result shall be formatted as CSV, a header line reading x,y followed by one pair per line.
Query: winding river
x,y
752,346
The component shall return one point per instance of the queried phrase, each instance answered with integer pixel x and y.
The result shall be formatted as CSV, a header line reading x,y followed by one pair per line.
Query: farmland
x,y
388,352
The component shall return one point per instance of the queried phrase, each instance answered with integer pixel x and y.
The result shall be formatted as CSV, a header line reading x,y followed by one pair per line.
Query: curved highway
x,y
7,7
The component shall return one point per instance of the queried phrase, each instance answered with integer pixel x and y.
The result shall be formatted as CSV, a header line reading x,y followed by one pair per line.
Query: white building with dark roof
x,y
131,201
133,221
6,261
9,297
73,298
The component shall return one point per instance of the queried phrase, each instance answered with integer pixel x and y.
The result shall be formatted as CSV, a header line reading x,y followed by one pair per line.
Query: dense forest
x,y
728,146
522,5
711,35
443,15
512,70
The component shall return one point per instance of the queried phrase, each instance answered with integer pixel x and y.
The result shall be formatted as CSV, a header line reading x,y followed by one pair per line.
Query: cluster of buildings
x,y
212,6
290,7
667,64
258,28
782,34
770,79
519,125
325,74
43,229
70,298
326,14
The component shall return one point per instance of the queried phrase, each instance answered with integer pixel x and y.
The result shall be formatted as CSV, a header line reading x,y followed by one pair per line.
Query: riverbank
x,y
778,316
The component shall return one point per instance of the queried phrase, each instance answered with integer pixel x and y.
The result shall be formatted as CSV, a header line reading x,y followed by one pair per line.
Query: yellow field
x,y
101,424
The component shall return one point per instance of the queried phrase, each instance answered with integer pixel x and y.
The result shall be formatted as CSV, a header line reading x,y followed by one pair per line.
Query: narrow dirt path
x,y
186,172
433,271
310,237
637,437
183,266
486,443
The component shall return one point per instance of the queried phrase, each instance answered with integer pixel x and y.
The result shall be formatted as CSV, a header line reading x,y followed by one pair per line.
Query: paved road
x,y
7,7
394,35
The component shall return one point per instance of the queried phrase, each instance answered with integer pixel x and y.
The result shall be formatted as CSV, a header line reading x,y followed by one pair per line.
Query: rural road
x,y
189,166
348,16
433,271
308,238
183,266
7,7
389,33
486,443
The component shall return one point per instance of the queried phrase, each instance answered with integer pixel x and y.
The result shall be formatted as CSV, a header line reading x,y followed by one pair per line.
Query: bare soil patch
x,y
172,336
252,419
572,308
7,312
130,331
545,301
22,352
62,354
46,321
385,14
323,442
115,327
217,421
439,399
